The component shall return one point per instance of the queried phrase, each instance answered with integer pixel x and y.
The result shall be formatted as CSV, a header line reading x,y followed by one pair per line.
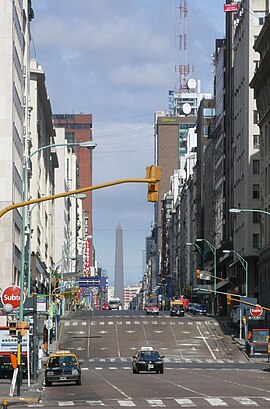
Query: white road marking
x,y
66,403
75,323
84,323
216,402
95,403
126,403
110,322
77,332
102,332
130,332
246,401
156,403
206,343
112,367
185,403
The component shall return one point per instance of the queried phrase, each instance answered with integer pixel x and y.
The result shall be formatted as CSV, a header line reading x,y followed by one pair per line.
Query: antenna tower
x,y
184,69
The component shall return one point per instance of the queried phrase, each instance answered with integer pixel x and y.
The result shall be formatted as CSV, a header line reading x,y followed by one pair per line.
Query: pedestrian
x,y
40,356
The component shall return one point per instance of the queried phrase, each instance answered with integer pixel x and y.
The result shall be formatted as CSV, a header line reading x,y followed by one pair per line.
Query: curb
x,y
15,400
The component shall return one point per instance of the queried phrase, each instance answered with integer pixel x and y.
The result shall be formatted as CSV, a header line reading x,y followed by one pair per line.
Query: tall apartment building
x,y
15,136
78,128
41,182
246,153
261,86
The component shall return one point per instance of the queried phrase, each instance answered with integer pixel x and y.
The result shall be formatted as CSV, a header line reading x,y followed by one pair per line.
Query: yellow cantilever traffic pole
x,y
74,192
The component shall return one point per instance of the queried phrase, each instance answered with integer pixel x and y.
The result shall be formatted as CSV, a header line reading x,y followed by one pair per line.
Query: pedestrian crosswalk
x,y
196,402
173,360
156,321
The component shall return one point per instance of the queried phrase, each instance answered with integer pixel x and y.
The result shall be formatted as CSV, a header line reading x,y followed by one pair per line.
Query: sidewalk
x,y
28,395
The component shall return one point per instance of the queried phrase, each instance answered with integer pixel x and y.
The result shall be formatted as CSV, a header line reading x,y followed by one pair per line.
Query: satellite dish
x,y
191,83
186,108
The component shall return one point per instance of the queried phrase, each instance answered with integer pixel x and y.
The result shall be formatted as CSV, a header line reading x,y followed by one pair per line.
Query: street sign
x,y
230,7
256,312
90,281
11,295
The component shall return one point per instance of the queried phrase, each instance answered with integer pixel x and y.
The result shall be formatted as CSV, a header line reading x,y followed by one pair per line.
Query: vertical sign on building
x,y
87,262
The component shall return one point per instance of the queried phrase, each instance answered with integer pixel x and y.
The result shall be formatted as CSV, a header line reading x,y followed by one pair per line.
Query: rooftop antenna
x,y
184,69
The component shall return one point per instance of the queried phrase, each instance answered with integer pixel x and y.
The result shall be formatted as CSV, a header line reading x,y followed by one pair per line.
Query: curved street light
x,y
214,251
87,144
196,245
237,210
244,264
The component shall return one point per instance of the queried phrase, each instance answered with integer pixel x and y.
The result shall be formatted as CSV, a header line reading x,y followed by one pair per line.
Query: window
x,y
256,166
256,141
256,191
256,217
255,238
255,117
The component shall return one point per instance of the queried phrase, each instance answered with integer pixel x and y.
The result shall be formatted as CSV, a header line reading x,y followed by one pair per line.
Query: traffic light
x,y
229,299
198,273
153,172
12,328
75,292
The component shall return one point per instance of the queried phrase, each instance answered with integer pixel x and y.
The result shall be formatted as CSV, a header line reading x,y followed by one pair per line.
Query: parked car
x,y
199,309
63,366
147,359
152,309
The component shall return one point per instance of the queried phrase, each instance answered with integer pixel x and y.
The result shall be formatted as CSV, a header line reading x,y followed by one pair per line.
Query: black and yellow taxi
x,y
63,366
147,359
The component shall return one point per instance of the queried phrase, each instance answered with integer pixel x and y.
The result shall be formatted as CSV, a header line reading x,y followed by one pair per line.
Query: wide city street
x,y
203,366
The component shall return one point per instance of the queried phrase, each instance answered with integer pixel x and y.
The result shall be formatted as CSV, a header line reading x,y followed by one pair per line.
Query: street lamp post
x,y
244,264
29,251
214,251
198,248
87,144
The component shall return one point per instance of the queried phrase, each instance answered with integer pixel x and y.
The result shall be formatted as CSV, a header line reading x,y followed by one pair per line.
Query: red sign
x,y
87,260
230,7
256,312
11,295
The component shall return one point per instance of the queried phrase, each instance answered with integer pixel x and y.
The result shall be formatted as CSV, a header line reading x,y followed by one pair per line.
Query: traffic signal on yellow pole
x,y
153,172
198,273
229,299
75,292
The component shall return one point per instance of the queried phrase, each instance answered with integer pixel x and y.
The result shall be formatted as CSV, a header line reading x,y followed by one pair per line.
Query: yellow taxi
x,y
63,366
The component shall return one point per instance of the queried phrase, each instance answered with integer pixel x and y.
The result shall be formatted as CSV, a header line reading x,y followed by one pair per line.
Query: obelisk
x,y
119,268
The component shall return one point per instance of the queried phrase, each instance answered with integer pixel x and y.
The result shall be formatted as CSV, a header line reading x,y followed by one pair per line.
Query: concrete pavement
x,y
32,395
28,394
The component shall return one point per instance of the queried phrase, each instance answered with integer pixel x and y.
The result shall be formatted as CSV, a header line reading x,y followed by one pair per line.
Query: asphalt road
x,y
203,367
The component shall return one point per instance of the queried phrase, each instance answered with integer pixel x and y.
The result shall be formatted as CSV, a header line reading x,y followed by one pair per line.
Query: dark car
x,y
63,366
147,359
177,310
199,309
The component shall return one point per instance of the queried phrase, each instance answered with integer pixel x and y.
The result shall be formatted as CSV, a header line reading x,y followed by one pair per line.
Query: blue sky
x,y
116,59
